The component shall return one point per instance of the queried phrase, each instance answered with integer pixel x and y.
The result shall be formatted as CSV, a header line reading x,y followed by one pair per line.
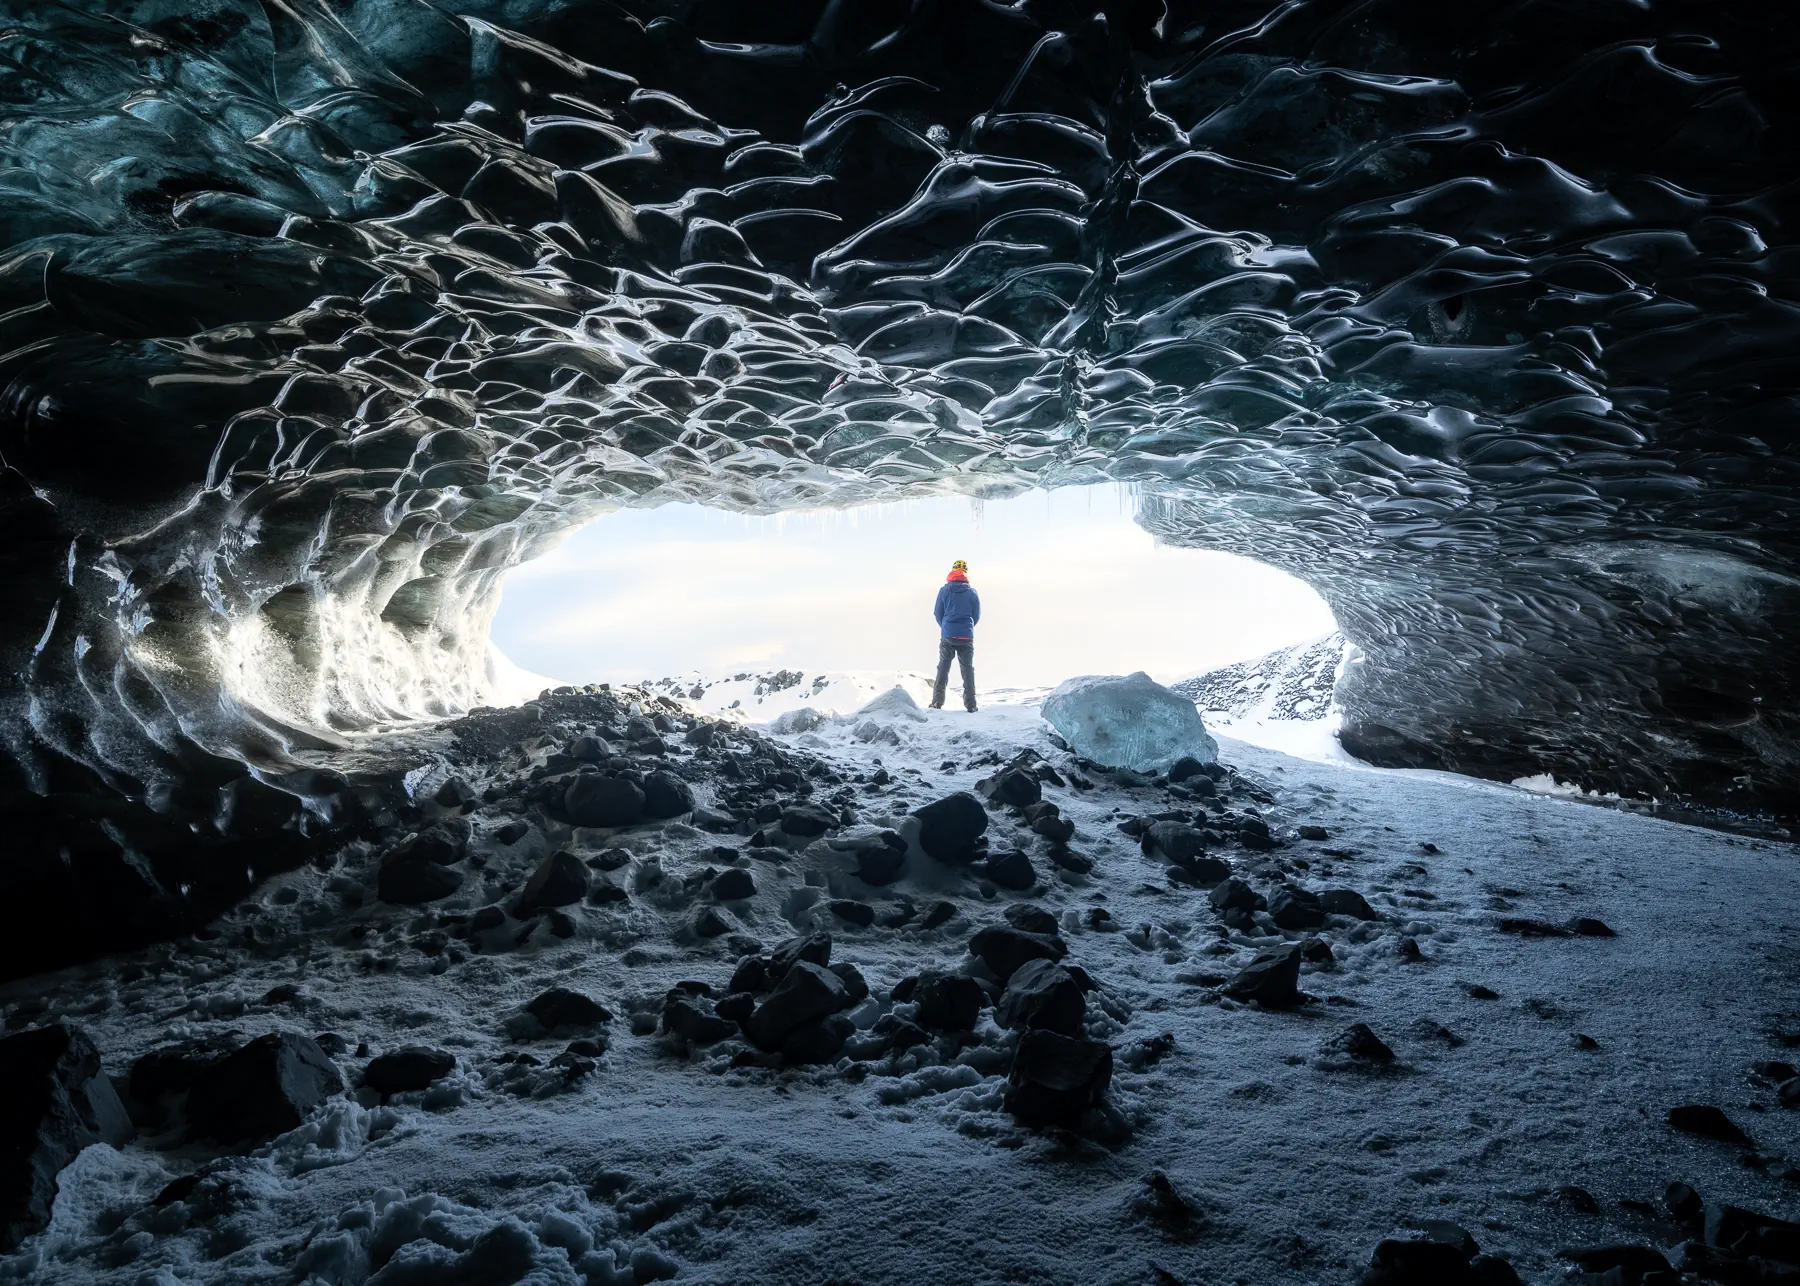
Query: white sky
x,y
1069,585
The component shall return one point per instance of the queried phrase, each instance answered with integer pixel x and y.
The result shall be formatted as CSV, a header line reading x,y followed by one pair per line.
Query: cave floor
x,y
1293,1161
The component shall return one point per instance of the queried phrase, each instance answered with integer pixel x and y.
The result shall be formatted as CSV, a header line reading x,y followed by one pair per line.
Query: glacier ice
x,y
1128,721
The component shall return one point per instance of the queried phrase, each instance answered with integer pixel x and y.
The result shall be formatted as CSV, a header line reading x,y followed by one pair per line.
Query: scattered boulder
x,y
1292,907
1235,895
807,820
560,1011
512,833
1185,767
941,913
1359,1042
818,1041
1129,722
405,1070
57,1101
1586,926
689,1016
849,910
1788,1092
413,881
1346,902
950,828
880,857
1011,870
807,992
1176,841
170,1071
560,880
1253,832
1631,1261
441,842
733,884
455,793
1042,996
1013,787
1030,919
948,1002
1272,980
666,795
813,948
1707,1122
1057,1078
1314,833
593,800
1003,949
855,985
264,1089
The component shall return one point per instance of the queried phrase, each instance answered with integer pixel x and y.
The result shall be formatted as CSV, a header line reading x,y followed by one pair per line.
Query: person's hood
x,y
957,578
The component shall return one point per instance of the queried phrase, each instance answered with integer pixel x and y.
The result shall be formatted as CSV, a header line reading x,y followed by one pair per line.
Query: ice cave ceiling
x,y
315,315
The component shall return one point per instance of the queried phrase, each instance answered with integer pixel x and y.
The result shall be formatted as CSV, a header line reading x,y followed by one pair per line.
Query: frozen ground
x,y
1293,1160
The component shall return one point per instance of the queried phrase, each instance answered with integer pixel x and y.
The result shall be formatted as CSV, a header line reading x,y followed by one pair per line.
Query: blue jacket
x,y
958,610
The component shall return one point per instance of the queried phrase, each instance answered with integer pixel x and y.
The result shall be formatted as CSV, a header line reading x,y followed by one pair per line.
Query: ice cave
x,y
348,954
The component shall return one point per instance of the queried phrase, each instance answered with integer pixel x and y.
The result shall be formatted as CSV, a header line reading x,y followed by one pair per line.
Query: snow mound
x,y
1130,722
895,703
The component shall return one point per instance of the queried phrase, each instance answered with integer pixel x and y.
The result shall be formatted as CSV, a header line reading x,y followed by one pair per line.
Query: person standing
x,y
957,611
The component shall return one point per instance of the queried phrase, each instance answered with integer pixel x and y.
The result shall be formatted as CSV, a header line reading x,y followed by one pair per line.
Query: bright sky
x,y
1069,585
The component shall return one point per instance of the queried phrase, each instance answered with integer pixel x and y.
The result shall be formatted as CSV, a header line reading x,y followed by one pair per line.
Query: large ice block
x,y
1128,721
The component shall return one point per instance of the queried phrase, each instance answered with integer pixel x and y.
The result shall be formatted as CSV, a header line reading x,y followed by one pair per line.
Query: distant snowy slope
x,y
1294,683
760,696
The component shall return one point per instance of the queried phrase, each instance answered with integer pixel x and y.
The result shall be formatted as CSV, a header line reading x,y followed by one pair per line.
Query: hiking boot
x,y
970,707
935,705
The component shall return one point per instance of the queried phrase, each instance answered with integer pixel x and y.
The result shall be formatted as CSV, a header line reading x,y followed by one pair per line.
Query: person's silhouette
x,y
958,609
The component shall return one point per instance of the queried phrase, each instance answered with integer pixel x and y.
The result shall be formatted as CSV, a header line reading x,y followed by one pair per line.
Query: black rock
x,y
441,842
1359,1042
950,827
1708,1122
805,993
405,1070
1011,870
1056,1078
1235,895
1176,841
593,800
1003,949
751,974
1316,951
1586,926
861,914
56,1101
455,793
1015,787
560,1010
1292,907
1027,918
170,1071
264,1089
1058,830
1745,1232
1788,1092
413,881
1632,1261
807,820
1684,1203
695,1021
902,1035
818,1041
1272,980
560,879
1042,996
1410,1261
1074,863
947,1002
1479,992
736,1006
588,748
666,795
766,812
856,987
733,885
814,948
512,832
1185,767
880,863
940,913
713,821
1254,833
1346,902
487,917
708,923
1529,928
1314,833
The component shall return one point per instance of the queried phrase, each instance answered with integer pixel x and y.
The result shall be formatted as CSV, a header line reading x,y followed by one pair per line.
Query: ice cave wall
x,y
314,317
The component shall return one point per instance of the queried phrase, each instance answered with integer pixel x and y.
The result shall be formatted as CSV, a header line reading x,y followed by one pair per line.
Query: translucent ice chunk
x,y
1128,722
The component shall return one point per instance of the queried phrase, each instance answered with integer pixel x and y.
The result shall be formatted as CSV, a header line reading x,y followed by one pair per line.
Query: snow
x,y
1128,721
661,1165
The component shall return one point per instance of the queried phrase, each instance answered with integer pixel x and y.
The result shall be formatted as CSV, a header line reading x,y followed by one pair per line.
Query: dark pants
x,y
964,651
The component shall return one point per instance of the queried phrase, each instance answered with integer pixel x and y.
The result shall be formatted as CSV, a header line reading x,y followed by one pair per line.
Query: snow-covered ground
x,y
1292,1161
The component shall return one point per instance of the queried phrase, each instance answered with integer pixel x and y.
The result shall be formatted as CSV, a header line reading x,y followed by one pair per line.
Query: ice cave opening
x,y
1070,583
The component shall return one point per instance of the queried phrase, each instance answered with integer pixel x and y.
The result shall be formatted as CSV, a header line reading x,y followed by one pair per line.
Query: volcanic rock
x,y
733,884
1292,907
694,1020
1359,1042
814,948
1056,1078
1708,1122
1027,918
56,1101
1346,902
806,993
1011,870
807,820
1272,980
1176,841
666,795
593,800
413,1068
950,827
265,1088
1235,895
818,1041
1003,949
1042,996
1014,787
948,1002
559,880
414,881
861,914
560,1011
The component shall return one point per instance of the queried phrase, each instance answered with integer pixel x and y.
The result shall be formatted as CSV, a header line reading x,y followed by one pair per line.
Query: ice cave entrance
x,y
1069,584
